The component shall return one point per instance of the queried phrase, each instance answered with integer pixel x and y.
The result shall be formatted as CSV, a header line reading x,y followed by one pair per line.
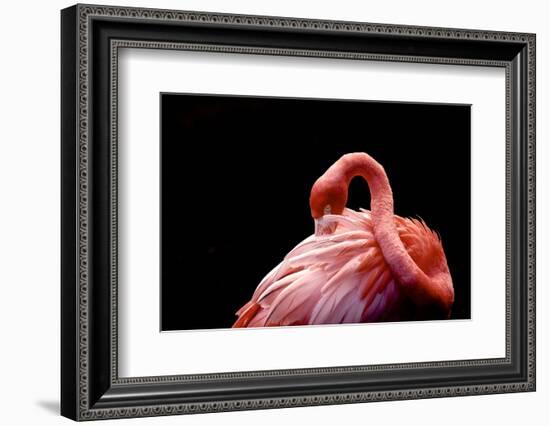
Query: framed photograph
x,y
263,212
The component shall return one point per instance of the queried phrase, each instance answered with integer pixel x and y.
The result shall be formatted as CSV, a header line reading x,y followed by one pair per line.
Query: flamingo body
x,y
359,266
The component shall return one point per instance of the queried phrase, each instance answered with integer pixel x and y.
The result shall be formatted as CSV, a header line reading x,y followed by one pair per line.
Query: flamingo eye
x,y
327,209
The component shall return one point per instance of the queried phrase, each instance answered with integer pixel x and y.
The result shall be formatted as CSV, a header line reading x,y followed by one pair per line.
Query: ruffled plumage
x,y
339,275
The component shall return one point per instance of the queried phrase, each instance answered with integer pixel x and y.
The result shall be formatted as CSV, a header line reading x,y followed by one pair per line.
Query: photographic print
x,y
296,212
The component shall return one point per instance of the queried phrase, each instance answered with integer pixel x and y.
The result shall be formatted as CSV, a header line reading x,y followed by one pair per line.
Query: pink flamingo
x,y
358,267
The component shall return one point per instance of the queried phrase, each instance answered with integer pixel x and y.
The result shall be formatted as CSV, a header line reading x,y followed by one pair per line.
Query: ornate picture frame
x,y
91,37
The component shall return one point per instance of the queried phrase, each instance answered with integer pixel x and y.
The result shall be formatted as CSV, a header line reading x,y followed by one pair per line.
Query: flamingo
x,y
358,266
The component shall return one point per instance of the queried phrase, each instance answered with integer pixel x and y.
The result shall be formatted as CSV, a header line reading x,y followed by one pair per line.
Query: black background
x,y
236,176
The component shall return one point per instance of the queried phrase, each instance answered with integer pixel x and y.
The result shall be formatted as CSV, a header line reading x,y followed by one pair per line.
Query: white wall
x,y
29,210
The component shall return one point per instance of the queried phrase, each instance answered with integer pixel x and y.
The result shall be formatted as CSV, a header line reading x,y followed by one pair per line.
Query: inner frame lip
x,y
126,44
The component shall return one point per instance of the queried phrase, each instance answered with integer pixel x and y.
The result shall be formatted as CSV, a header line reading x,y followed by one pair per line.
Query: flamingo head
x,y
328,196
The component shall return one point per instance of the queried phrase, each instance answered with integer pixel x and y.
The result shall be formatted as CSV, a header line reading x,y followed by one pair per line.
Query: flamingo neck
x,y
343,171
361,164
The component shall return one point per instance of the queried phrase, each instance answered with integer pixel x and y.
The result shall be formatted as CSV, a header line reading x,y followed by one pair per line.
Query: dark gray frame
x,y
91,37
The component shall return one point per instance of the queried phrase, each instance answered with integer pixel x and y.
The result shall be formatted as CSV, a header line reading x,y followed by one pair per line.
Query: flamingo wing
x,y
327,279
